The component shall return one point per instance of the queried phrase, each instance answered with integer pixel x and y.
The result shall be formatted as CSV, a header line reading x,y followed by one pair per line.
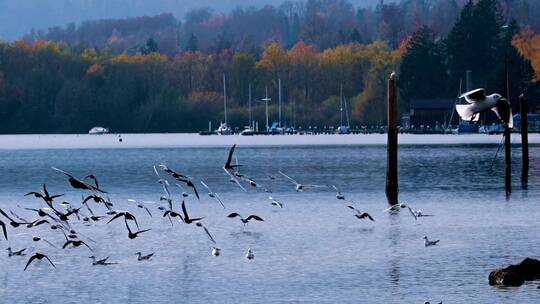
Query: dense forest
x,y
158,74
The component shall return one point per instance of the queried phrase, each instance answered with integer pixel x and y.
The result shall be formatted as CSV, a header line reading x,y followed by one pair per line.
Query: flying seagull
x,y
479,102
38,256
181,178
339,196
417,213
247,219
361,215
199,224
275,202
78,183
299,187
213,195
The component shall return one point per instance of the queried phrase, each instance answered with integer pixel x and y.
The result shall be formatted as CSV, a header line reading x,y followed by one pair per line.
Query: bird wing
x,y
206,186
4,229
255,217
370,217
84,243
474,95
219,200
116,216
209,235
5,214
351,207
184,210
147,210
234,214
233,178
229,159
289,178
195,190
30,260
503,110
49,260
413,213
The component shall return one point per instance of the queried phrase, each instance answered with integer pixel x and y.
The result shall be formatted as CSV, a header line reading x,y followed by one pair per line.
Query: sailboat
x,y
343,129
249,130
224,129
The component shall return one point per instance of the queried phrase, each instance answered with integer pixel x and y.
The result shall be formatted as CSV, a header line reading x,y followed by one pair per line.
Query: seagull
x,y
228,165
479,102
216,251
246,220
299,187
126,215
339,196
165,184
213,195
417,213
395,207
141,257
361,215
37,239
12,222
249,254
74,243
181,178
275,203
44,195
79,184
131,234
140,205
17,253
428,243
100,262
186,219
199,224
38,256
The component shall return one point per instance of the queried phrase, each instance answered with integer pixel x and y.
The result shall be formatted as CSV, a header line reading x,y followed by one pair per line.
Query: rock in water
x,y
516,275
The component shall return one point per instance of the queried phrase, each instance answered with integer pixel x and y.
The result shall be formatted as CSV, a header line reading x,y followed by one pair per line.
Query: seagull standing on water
x,y
339,196
428,243
17,253
141,257
249,254
216,251
479,102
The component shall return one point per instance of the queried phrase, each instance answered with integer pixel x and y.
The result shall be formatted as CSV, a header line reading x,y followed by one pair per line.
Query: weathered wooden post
x,y
392,143
523,109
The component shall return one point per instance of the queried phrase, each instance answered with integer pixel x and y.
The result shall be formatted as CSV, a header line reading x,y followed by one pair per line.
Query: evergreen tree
x,y
192,44
423,68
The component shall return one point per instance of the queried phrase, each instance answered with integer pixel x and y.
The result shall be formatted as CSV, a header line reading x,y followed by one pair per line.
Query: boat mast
x,y
279,96
341,104
266,102
346,112
250,121
225,98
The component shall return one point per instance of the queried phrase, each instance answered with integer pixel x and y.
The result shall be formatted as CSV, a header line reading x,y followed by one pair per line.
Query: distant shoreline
x,y
193,140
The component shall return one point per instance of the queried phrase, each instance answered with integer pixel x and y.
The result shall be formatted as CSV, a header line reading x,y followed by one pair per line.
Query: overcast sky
x,y
18,17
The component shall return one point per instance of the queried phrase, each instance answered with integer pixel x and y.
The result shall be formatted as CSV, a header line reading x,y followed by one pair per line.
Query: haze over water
x,y
313,250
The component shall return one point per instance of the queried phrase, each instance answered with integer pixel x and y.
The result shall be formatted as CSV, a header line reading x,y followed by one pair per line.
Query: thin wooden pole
x,y
523,107
507,143
392,146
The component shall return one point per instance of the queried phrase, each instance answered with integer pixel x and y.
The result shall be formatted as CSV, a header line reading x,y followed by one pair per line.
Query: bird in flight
x,y
361,215
480,102
246,220
39,257
300,187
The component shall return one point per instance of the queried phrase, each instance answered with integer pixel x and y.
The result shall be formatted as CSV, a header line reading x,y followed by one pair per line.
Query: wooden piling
x,y
523,109
392,143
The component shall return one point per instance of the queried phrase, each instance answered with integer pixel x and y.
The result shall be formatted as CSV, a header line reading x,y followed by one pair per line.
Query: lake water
x,y
312,251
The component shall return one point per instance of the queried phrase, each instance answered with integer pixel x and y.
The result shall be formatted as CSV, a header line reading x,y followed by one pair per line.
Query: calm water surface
x,y
312,251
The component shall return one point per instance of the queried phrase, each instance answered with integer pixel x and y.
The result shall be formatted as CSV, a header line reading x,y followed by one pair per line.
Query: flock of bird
x,y
65,216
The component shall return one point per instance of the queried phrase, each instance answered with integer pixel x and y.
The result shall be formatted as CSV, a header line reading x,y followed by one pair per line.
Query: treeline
x,y
323,23
50,87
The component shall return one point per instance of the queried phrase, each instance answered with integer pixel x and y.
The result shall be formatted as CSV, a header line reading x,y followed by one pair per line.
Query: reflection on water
x,y
313,250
